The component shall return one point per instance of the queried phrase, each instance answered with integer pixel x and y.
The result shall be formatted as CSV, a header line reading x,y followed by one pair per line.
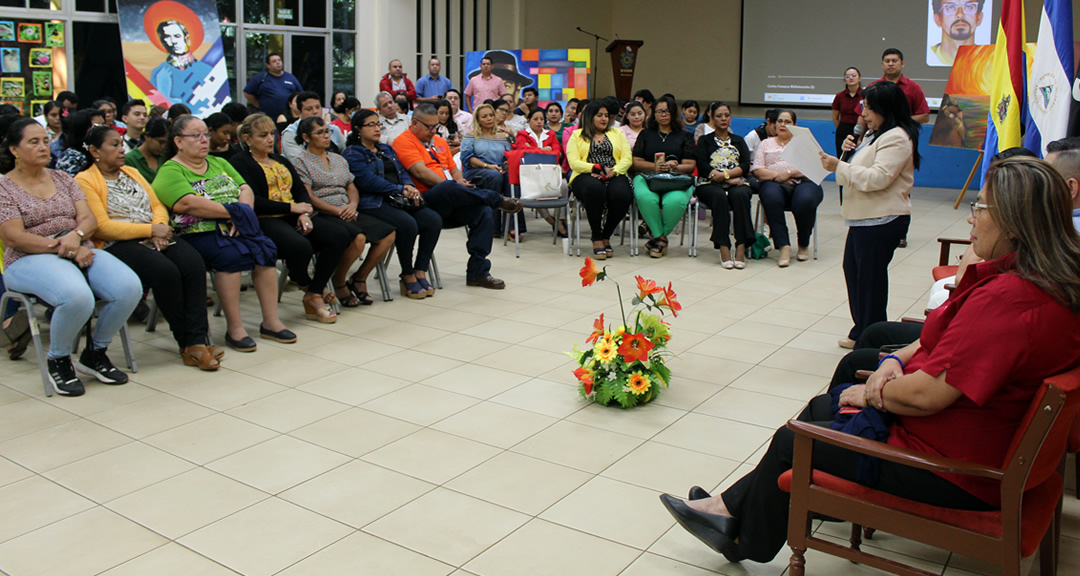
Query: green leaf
x,y
662,372
603,393
625,399
635,301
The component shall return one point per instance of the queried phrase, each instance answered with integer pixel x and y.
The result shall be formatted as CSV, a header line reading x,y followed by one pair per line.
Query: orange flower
x,y
646,287
589,273
638,384
635,347
598,330
586,378
669,301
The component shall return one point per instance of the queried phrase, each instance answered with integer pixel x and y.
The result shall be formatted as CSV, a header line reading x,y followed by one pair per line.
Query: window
x,y
344,56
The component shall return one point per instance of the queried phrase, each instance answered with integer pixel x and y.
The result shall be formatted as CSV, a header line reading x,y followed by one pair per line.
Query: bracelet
x,y
894,357
866,396
882,394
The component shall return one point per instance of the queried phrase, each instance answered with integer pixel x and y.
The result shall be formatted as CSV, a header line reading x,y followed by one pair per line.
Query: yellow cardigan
x,y
577,153
93,185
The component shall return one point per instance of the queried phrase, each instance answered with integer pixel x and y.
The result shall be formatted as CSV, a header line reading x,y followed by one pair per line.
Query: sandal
x,y
599,254
348,301
361,295
201,356
657,248
412,290
426,286
316,307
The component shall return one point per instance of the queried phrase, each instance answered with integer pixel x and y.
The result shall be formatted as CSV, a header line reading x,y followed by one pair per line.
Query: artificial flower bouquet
x,y
625,364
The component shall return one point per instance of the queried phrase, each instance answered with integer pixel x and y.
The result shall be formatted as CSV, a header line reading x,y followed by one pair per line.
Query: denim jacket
x,y
367,169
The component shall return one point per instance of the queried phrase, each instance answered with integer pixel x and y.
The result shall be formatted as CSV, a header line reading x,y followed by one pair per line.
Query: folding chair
x,y
562,203
28,301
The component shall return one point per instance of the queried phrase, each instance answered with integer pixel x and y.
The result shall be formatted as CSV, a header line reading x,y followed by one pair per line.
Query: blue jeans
x,y
462,206
71,292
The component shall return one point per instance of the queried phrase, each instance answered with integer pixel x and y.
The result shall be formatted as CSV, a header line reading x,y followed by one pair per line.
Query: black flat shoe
x,y
245,344
698,493
283,336
715,531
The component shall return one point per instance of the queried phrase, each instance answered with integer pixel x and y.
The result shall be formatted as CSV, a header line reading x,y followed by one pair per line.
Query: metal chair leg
x,y
151,317
435,273
35,334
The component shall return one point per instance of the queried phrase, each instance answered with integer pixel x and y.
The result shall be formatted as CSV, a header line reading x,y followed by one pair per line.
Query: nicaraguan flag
x,y
1049,89
1003,130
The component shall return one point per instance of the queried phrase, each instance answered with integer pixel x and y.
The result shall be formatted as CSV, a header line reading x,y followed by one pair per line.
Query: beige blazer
x,y
878,180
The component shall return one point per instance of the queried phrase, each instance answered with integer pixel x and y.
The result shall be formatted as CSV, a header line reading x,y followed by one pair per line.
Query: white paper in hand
x,y
802,153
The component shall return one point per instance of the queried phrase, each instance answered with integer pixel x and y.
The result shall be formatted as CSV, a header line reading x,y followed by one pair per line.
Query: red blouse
x,y
526,140
997,338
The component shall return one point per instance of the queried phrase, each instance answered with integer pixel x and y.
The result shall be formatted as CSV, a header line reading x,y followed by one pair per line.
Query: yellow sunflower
x,y
605,350
638,383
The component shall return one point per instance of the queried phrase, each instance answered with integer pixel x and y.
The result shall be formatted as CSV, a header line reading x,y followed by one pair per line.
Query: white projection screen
x,y
794,52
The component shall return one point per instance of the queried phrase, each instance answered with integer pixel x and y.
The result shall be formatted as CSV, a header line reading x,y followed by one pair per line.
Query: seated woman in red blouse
x,y
539,137
1013,321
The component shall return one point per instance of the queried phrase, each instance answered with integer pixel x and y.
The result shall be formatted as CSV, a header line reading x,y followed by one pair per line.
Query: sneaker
x,y
63,378
96,363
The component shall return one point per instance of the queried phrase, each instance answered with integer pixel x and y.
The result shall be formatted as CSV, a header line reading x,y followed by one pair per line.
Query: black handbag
x,y
401,202
663,182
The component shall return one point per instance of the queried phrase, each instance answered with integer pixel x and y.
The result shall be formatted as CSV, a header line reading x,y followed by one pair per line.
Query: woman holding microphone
x,y
877,185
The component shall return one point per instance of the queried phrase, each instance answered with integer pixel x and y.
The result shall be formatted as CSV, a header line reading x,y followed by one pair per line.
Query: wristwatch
x,y
81,234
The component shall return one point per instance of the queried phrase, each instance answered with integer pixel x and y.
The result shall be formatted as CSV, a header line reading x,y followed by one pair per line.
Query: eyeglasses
x,y
851,75
785,122
322,132
370,125
201,136
660,111
977,207
430,127
969,8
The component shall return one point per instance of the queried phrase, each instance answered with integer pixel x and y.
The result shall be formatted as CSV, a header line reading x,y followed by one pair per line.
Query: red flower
x,y
646,287
598,330
635,347
585,377
669,301
589,273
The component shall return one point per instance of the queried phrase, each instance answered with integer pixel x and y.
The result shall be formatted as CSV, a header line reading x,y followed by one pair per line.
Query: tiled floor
x,y
444,436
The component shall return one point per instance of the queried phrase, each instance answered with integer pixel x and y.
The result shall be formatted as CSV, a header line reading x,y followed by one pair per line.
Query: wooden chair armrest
x,y
946,246
905,456
863,375
912,320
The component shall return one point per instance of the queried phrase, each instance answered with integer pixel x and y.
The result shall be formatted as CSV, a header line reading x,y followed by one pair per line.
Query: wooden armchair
x,y
944,269
1031,490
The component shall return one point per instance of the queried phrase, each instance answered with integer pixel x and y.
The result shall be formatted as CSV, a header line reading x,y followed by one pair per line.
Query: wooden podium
x,y
623,61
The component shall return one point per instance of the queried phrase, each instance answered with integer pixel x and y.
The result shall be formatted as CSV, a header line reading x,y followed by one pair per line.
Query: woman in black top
x,y
287,217
723,164
664,147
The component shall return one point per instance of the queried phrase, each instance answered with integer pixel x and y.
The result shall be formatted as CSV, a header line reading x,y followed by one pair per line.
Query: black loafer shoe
x,y
283,336
717,532
245,344
489,282
698,493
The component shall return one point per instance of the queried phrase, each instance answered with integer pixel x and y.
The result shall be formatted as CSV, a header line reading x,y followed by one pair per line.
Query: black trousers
x,y
720,200
606,203
842,132
802,201
425,223
328,238
881,334
762,507
867,254
177,278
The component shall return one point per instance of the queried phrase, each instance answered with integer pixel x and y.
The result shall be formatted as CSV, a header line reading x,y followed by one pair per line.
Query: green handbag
x,y
760,248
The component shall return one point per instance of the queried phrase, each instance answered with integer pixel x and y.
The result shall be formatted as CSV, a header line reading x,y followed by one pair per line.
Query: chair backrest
x,y
1038,447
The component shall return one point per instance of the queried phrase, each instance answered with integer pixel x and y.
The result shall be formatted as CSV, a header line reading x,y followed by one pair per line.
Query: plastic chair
x,y
1031,491
759,225
28,301
558,204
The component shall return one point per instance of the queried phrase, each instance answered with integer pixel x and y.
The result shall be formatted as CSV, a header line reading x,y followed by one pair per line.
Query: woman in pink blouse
x,y
783,187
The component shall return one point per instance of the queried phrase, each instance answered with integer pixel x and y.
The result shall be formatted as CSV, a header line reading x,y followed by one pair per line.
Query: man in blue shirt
x,y
270,89
432,87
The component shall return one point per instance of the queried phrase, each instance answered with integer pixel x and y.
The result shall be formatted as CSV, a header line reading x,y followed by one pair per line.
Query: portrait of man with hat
x,y
502,65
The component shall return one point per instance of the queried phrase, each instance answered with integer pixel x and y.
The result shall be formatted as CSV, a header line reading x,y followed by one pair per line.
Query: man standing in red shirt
x,y
396,83
892,63
428,160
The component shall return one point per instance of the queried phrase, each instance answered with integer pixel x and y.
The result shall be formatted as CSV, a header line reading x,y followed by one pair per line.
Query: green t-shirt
x,y
220,183
136,160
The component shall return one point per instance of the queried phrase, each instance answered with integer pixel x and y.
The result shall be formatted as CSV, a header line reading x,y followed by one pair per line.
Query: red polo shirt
x,y
996,338
847,105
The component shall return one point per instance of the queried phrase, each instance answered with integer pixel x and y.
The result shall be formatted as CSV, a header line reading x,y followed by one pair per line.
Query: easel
x,y
963,191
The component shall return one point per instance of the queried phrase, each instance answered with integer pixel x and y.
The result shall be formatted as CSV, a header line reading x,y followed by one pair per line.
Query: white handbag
x,y
542,182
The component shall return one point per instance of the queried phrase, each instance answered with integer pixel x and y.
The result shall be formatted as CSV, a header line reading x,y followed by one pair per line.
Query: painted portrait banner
x,y
558,75
173,53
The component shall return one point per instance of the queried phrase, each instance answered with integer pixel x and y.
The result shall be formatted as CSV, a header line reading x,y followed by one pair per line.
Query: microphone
x,y
858,132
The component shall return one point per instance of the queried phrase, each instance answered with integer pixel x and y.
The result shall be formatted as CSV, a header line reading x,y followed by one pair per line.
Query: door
x,y
307,56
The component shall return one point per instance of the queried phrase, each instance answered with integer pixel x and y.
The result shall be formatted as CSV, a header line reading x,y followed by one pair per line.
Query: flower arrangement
x,y
626,364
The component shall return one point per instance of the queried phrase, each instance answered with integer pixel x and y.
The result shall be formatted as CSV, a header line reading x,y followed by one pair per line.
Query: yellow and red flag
x,y
1003,131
